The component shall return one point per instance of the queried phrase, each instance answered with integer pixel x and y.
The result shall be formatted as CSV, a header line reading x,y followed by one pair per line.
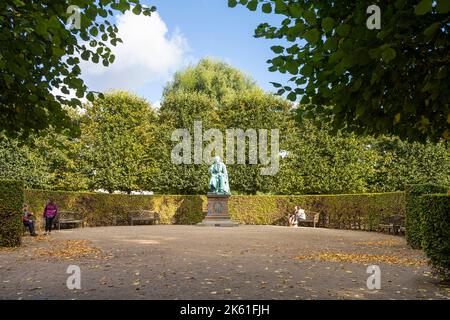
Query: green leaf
x,y
292,96
232,3
388,55
431,30
307,70
267,8
423,7
85,55
137,9
90,96
312,36
343,30
93,31
443,6
276,85
331,44
305,100
292,67
277,49
95,58
310,17
294,10
252,5
327,24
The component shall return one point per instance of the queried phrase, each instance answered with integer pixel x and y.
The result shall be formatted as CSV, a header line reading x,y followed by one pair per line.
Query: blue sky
x,y
183,32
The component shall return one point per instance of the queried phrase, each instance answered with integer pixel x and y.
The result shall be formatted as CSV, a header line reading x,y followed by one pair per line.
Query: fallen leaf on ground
x,y
362,258
68,249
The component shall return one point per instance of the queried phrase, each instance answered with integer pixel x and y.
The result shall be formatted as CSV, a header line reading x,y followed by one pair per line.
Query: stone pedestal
x,y
218,215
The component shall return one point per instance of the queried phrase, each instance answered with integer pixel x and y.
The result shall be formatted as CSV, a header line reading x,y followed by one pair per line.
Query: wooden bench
x,y
312,218
69,218
402,228
143,216
392,224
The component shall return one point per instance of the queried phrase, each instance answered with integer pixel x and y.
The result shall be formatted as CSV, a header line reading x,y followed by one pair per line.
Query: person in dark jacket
x,y
50,213
27,221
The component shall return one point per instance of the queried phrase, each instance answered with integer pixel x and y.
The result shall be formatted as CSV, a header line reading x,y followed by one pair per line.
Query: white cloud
x,y
148,55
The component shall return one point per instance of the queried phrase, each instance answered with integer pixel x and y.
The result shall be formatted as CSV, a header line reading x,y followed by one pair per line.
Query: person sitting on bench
x,y
299,214
27,222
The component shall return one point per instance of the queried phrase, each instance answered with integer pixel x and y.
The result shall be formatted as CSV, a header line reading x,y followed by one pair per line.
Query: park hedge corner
x,y
435,215
413,221
11,201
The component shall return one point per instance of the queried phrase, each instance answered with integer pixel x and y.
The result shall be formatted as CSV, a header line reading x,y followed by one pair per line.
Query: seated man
x,y
26,214
301,214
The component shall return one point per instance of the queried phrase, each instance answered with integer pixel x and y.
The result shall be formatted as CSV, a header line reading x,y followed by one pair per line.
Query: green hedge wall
x,y
413,209
11,200
101,209
435,216
356,211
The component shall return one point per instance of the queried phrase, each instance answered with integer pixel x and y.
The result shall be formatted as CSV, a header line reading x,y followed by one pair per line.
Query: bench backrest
x,y
312,215
143,214
69,215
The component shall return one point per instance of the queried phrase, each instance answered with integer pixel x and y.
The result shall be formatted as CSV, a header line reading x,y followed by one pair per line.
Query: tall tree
x,y
19,162
211,77
393,80
180,110
41,44
118,143
257,110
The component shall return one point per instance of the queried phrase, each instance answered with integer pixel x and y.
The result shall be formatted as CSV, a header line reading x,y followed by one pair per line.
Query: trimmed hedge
x,y
356,211
11,200
100,209
353,211
435,216
413,209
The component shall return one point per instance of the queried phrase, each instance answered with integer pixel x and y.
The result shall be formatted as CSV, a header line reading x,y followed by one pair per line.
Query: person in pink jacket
x,y
50,213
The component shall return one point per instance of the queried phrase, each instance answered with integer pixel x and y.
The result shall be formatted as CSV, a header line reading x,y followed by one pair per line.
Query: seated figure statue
x,y
219,177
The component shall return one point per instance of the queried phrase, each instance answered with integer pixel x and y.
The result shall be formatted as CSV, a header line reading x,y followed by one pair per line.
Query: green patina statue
x,y
219,177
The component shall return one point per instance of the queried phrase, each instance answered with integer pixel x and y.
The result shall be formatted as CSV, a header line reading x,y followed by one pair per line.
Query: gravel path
x,y
190,262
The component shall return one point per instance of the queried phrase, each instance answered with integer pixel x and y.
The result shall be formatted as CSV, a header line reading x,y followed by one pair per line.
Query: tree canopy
x,y
125,145
214,78
392,80
40,51
118,143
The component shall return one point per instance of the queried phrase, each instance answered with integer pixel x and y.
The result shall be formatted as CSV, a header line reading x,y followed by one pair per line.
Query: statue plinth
x,y
218,215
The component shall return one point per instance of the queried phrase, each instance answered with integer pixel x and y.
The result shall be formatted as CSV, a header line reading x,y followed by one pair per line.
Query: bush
x,y
413,223
101,209
358,211
352,211
11,201
435,217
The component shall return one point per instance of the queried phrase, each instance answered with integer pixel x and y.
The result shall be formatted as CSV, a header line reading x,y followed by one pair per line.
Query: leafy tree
x,y
257,110
393,80
322,162
40,53
118,139
20,162
211,77
179,110
400,163
61,153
